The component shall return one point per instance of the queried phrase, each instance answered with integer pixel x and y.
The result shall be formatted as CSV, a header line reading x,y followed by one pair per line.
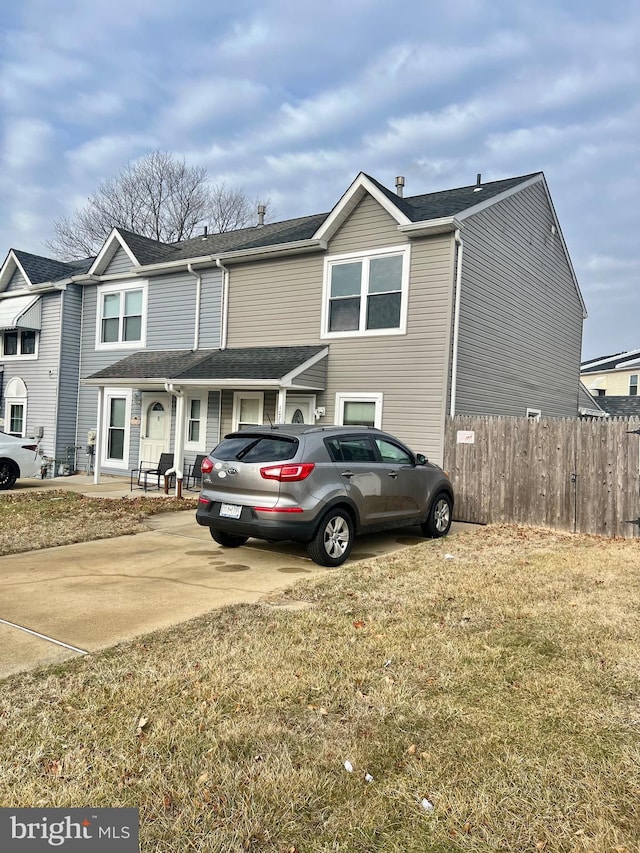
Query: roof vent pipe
x,y
262,209
206,231
400,185
478,185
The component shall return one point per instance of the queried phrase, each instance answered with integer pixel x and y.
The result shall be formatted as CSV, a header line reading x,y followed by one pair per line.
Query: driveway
x,y
75,599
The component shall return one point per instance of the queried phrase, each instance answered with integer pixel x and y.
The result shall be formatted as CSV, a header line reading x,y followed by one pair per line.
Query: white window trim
x,y
204,401
329,261
533,414
14,398
343,397
238,397
19,357
121,287
109,394
635,385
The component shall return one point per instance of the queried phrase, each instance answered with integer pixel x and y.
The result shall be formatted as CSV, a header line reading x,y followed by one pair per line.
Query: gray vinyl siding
x,y
40,375
71,307
280,303
520,314
17,281
171,307
313,378
119,263
210,306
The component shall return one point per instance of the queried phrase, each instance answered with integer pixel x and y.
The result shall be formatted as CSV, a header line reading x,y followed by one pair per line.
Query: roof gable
x,y
35,269
362,185
114,242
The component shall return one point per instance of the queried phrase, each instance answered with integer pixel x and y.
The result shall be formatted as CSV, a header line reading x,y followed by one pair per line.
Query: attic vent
x,y
478,186
400,185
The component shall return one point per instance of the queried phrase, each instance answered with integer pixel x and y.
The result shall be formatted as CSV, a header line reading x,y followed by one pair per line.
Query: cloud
x,y
26,143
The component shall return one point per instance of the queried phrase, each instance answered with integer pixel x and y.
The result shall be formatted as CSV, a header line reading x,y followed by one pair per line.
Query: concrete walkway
x,y
71,600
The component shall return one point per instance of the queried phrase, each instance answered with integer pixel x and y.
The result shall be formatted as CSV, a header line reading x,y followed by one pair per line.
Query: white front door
x,y
300,408
154,429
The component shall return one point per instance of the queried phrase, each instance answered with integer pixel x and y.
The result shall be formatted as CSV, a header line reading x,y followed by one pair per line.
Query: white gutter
x,y
198,277
456,323
430,226
224,304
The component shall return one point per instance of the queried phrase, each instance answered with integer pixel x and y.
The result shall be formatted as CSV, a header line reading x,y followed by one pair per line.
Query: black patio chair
x,y
146,471
194,472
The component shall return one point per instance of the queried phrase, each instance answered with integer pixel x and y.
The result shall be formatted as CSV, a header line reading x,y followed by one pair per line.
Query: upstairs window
x,y
633,384
121,316
19,343
366,293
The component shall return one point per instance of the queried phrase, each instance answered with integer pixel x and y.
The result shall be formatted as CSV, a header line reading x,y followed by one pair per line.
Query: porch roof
x,y
278,367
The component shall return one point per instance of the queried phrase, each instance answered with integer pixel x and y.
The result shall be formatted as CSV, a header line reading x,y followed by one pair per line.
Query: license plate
x,y
230,511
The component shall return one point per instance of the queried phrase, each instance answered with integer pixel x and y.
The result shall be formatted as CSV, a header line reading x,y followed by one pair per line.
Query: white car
x,y
19,457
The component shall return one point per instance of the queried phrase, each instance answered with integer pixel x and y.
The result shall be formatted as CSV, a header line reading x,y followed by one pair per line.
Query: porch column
x,y
281,411
97,451
178,463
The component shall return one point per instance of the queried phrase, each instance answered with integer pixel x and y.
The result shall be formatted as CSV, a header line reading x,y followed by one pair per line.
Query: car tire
x,y
227,540
439,519
333,539
8,474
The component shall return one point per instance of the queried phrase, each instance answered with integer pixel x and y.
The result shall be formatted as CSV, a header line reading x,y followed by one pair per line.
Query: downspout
x,y
224,303
198,277
178,445
456,323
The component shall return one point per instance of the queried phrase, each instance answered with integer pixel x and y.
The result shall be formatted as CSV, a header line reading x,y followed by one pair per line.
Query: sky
x,y
290,100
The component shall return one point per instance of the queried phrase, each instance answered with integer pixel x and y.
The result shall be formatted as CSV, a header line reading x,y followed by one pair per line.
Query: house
x,y
612,375
39,351
388,310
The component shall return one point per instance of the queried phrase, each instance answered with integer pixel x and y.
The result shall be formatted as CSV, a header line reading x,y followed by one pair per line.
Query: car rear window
x,y
256,448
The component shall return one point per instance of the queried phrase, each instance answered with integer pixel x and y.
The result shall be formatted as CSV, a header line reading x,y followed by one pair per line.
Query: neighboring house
x,y
389,311
612,375
39,350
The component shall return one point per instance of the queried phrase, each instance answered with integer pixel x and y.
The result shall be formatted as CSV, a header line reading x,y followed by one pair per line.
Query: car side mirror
x,y
421,459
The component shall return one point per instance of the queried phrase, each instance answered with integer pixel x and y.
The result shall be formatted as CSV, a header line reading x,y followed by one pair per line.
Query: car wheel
x,y
439,519
332,542
8,474
227,540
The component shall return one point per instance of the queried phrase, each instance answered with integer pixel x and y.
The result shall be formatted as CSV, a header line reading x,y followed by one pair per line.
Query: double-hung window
x,y
633,384
121,316
196,432
366,293
18,343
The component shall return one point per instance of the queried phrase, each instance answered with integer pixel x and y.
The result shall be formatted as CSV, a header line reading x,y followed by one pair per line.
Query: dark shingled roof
x,y
147,251
40,269
621,407
611,362
416,208
271,234
257,363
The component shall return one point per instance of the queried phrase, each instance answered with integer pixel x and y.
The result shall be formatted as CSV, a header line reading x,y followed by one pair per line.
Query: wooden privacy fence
x,y
570,474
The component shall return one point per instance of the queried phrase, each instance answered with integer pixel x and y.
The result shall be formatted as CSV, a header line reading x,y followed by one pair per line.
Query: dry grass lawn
x,y
488,684
45,519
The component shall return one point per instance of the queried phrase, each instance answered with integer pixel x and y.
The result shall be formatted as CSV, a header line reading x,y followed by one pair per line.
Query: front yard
x,y
479,693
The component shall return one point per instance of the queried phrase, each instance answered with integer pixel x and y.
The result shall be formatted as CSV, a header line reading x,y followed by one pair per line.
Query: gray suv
x,y
321,485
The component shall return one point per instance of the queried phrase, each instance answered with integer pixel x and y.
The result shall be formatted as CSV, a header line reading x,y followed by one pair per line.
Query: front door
x,y
154,429
300,408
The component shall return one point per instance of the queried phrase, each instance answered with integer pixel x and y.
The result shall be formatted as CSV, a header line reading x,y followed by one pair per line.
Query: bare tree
x,y
231,209
158,196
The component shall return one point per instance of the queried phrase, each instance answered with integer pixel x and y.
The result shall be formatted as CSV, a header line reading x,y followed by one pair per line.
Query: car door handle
x,y
348,473
392,474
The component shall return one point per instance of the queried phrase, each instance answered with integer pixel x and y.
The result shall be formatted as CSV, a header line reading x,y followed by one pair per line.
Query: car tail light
x,y
288,473
33,447
207,465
